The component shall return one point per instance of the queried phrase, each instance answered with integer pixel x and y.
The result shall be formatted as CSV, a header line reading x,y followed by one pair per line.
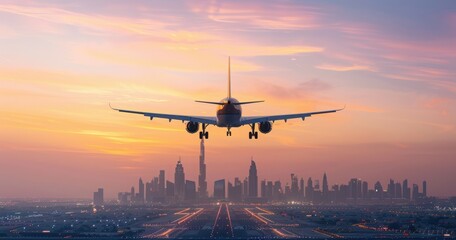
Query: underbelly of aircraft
x,y
228,120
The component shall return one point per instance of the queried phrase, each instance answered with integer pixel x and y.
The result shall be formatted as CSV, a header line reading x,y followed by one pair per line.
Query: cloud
x,y
98,23
338,68
259,15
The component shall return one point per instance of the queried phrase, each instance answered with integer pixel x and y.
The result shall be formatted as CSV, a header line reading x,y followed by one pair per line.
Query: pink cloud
x,y
267,15
338,68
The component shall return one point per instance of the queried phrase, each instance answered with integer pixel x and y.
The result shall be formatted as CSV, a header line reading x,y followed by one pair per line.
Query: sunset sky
x,y
392,63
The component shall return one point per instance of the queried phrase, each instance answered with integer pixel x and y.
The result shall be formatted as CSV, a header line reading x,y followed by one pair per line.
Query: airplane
x,y
228,115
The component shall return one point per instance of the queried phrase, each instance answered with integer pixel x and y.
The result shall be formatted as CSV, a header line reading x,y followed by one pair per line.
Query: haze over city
x,y
61,63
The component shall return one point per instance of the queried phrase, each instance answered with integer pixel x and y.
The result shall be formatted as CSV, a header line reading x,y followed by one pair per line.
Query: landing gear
x,y
204,133
253,133
228,133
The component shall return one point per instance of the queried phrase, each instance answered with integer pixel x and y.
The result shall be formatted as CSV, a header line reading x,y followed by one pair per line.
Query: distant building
x,y
309,189
405,190
219,189
190,190
161,184
140,197
415,192
253,180
325,189
98,198
294,187
424,189
170,189
378,190
179,181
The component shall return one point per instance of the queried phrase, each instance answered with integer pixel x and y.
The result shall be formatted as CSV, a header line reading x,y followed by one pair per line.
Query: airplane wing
x,y
257,119
183,118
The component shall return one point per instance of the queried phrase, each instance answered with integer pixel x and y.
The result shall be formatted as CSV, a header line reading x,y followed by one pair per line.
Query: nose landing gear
x,y
228,133
253,133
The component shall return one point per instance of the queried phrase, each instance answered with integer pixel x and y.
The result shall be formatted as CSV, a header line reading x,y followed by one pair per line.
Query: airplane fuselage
x,y
229,114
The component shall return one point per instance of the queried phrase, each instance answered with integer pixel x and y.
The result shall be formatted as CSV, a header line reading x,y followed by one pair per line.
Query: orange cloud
x,y
97,23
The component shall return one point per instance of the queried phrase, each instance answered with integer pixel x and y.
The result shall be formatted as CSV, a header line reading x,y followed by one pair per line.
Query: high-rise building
x,y
302,188
169,189
309,189
202,183
415,192
424,189
179,181
140,197
98,198
325,187
253,180
245,188
263,189
405,190
391,189
148,191
219,189
398,190
277,193
378,190
353,188
365,190
190,190
294,187
161,184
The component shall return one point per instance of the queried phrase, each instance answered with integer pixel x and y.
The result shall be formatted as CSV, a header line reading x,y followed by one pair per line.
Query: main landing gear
x,y
253,133
204,133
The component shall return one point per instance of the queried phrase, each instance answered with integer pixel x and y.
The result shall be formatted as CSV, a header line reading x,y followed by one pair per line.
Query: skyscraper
x,y
202,183
161,183
405,190
325,186
219,189
169,189
253,180
140,198
98,198
309,189
179,181
424,189
190,190
294,187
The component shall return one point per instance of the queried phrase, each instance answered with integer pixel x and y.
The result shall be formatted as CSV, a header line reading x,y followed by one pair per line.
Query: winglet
x,y
112,107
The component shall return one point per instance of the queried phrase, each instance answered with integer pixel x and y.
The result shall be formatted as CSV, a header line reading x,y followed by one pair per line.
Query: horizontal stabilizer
x,y
240,103
216,103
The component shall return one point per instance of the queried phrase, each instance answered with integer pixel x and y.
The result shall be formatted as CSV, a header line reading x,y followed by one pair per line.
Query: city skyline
x,y
62,62
247,190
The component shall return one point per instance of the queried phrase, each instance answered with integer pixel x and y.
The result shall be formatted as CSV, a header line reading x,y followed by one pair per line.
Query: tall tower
x,y
140,191
424,189
179,181
161,183
202,183
253,180
325,185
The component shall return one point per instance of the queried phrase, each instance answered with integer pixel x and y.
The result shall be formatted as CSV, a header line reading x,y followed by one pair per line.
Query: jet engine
x,y
265,127
192,127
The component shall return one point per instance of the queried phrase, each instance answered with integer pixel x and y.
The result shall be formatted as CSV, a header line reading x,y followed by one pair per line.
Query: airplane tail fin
x,y
229,78
229,92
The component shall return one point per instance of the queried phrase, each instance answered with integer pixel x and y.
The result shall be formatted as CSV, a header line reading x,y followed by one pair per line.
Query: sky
x,y
392,63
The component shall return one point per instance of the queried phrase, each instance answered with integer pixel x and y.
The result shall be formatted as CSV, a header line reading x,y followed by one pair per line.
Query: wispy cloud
x,y
259,15
338,68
